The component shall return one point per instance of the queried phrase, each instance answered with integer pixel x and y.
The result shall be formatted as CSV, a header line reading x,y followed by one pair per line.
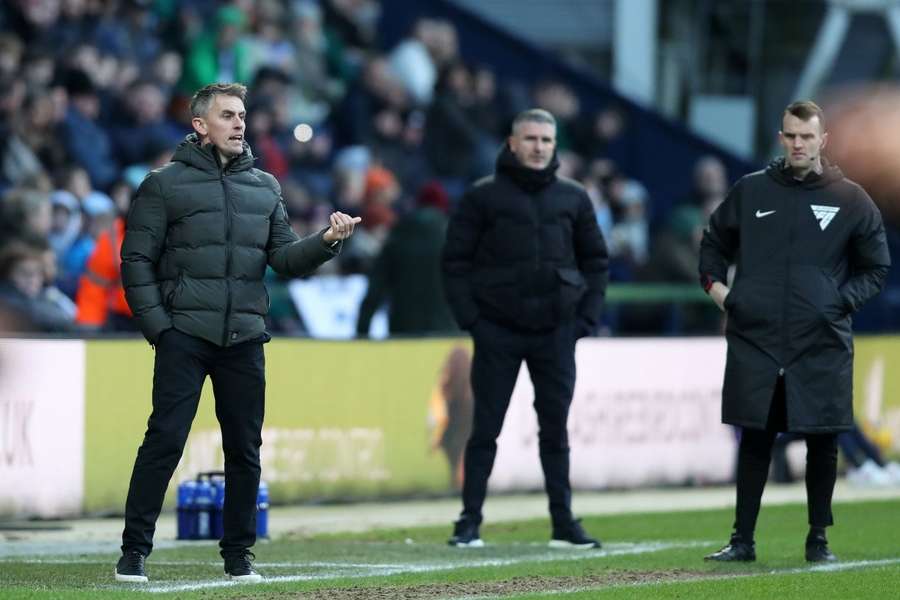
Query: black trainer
x,y
737,550
817,549
130,568
465,535
239,567
572,535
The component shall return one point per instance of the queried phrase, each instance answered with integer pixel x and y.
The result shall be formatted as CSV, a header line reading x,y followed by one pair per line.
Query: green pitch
x,y
644,555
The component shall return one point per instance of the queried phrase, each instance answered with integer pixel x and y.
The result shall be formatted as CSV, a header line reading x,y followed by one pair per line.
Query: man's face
x,y
28,276
802,141
533,144
223,126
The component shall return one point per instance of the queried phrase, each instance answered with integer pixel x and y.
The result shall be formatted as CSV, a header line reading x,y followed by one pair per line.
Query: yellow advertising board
x,y
876,389
343,420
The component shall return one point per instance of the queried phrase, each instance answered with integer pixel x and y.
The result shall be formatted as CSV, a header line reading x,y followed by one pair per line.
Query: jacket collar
x,y
530,180
205,158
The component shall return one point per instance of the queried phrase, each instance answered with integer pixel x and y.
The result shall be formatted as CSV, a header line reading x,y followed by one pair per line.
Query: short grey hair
x,y
534,115
203,99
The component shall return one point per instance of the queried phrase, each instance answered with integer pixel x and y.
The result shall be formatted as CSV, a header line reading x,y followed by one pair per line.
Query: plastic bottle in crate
x,y
187,522
262,510
217,527
203,504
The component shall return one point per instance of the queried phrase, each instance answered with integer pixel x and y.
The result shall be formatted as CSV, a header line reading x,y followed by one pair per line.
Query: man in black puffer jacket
x,y
525,271
810,249
197,241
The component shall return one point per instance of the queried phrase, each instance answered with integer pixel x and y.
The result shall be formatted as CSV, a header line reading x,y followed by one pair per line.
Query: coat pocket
x,y
571,290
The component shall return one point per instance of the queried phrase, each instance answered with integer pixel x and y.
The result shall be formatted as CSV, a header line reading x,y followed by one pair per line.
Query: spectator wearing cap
x,y
99,214
630,238
381,187
85,141
66,221
407,272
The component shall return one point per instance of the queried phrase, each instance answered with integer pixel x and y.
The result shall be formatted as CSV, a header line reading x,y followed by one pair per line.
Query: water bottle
x,y
185,510
217,526
203,503
262,510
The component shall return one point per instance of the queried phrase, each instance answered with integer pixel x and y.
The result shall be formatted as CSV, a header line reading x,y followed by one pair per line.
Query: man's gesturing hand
x,y
341,227
718,292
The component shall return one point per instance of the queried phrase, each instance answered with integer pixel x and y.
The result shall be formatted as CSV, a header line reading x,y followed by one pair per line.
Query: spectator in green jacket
x,y
218,55
407,273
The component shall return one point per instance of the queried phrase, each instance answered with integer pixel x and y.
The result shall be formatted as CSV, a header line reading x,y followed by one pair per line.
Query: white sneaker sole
x,y
479,543
254,578
131,578
564,545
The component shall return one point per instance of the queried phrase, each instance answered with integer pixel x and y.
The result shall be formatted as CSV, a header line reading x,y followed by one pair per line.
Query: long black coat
x,y
524,250
808,255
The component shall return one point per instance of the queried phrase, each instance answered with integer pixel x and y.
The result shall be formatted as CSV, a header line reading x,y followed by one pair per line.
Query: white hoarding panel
x,y
41,427
645,412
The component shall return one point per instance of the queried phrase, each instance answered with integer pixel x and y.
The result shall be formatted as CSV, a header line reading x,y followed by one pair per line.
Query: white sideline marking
x,y
383,570
192,563
826,568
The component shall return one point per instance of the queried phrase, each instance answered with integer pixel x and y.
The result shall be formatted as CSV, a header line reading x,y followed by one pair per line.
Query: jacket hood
x,y
205,158
780,171
528,179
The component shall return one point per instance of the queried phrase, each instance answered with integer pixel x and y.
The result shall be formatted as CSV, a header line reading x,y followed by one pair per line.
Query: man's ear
x,y
199,125
824,140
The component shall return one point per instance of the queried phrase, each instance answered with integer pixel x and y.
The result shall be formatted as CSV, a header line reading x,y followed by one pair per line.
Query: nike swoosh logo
x,y
760,214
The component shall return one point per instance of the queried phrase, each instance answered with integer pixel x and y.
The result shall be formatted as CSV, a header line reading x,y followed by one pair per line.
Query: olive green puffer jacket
x,y
197,241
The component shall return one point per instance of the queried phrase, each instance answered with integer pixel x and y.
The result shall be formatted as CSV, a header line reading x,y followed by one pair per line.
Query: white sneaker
x,y
893,471
869,474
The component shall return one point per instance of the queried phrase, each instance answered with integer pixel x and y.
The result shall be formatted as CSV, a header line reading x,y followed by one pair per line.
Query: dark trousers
x,y
238,378
550,357
755,454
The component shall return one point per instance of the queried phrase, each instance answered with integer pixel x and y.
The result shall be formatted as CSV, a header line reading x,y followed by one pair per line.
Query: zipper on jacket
x,y
792,212
225,331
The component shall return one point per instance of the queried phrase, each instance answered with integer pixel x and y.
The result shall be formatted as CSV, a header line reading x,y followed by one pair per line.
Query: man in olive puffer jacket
x,y
198,238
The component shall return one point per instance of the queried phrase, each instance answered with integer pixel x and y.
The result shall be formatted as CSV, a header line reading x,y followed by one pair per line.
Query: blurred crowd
x,y
95,93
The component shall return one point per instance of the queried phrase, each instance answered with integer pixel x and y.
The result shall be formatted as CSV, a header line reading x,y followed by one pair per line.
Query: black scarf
x,y
530,180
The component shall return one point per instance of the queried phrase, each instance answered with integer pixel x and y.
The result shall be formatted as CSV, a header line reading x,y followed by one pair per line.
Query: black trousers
x,y
238,378
550,357
755,454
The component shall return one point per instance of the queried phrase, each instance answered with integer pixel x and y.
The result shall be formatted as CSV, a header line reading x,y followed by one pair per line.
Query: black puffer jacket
x,y
524,250
197,241
808,254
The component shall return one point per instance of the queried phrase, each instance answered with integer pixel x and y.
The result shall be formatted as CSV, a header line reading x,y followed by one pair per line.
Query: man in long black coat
x,y
810,249
525,270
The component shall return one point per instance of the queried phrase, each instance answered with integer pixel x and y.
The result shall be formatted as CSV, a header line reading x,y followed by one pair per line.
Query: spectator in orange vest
x,y
101,298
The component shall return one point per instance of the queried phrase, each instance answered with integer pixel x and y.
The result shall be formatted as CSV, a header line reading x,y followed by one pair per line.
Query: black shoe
x,y
465,535
572,535
130,568
737,550
817,549
239,567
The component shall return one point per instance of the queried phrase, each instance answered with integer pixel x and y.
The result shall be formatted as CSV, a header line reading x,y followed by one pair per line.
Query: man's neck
x,y
800,174
223,158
